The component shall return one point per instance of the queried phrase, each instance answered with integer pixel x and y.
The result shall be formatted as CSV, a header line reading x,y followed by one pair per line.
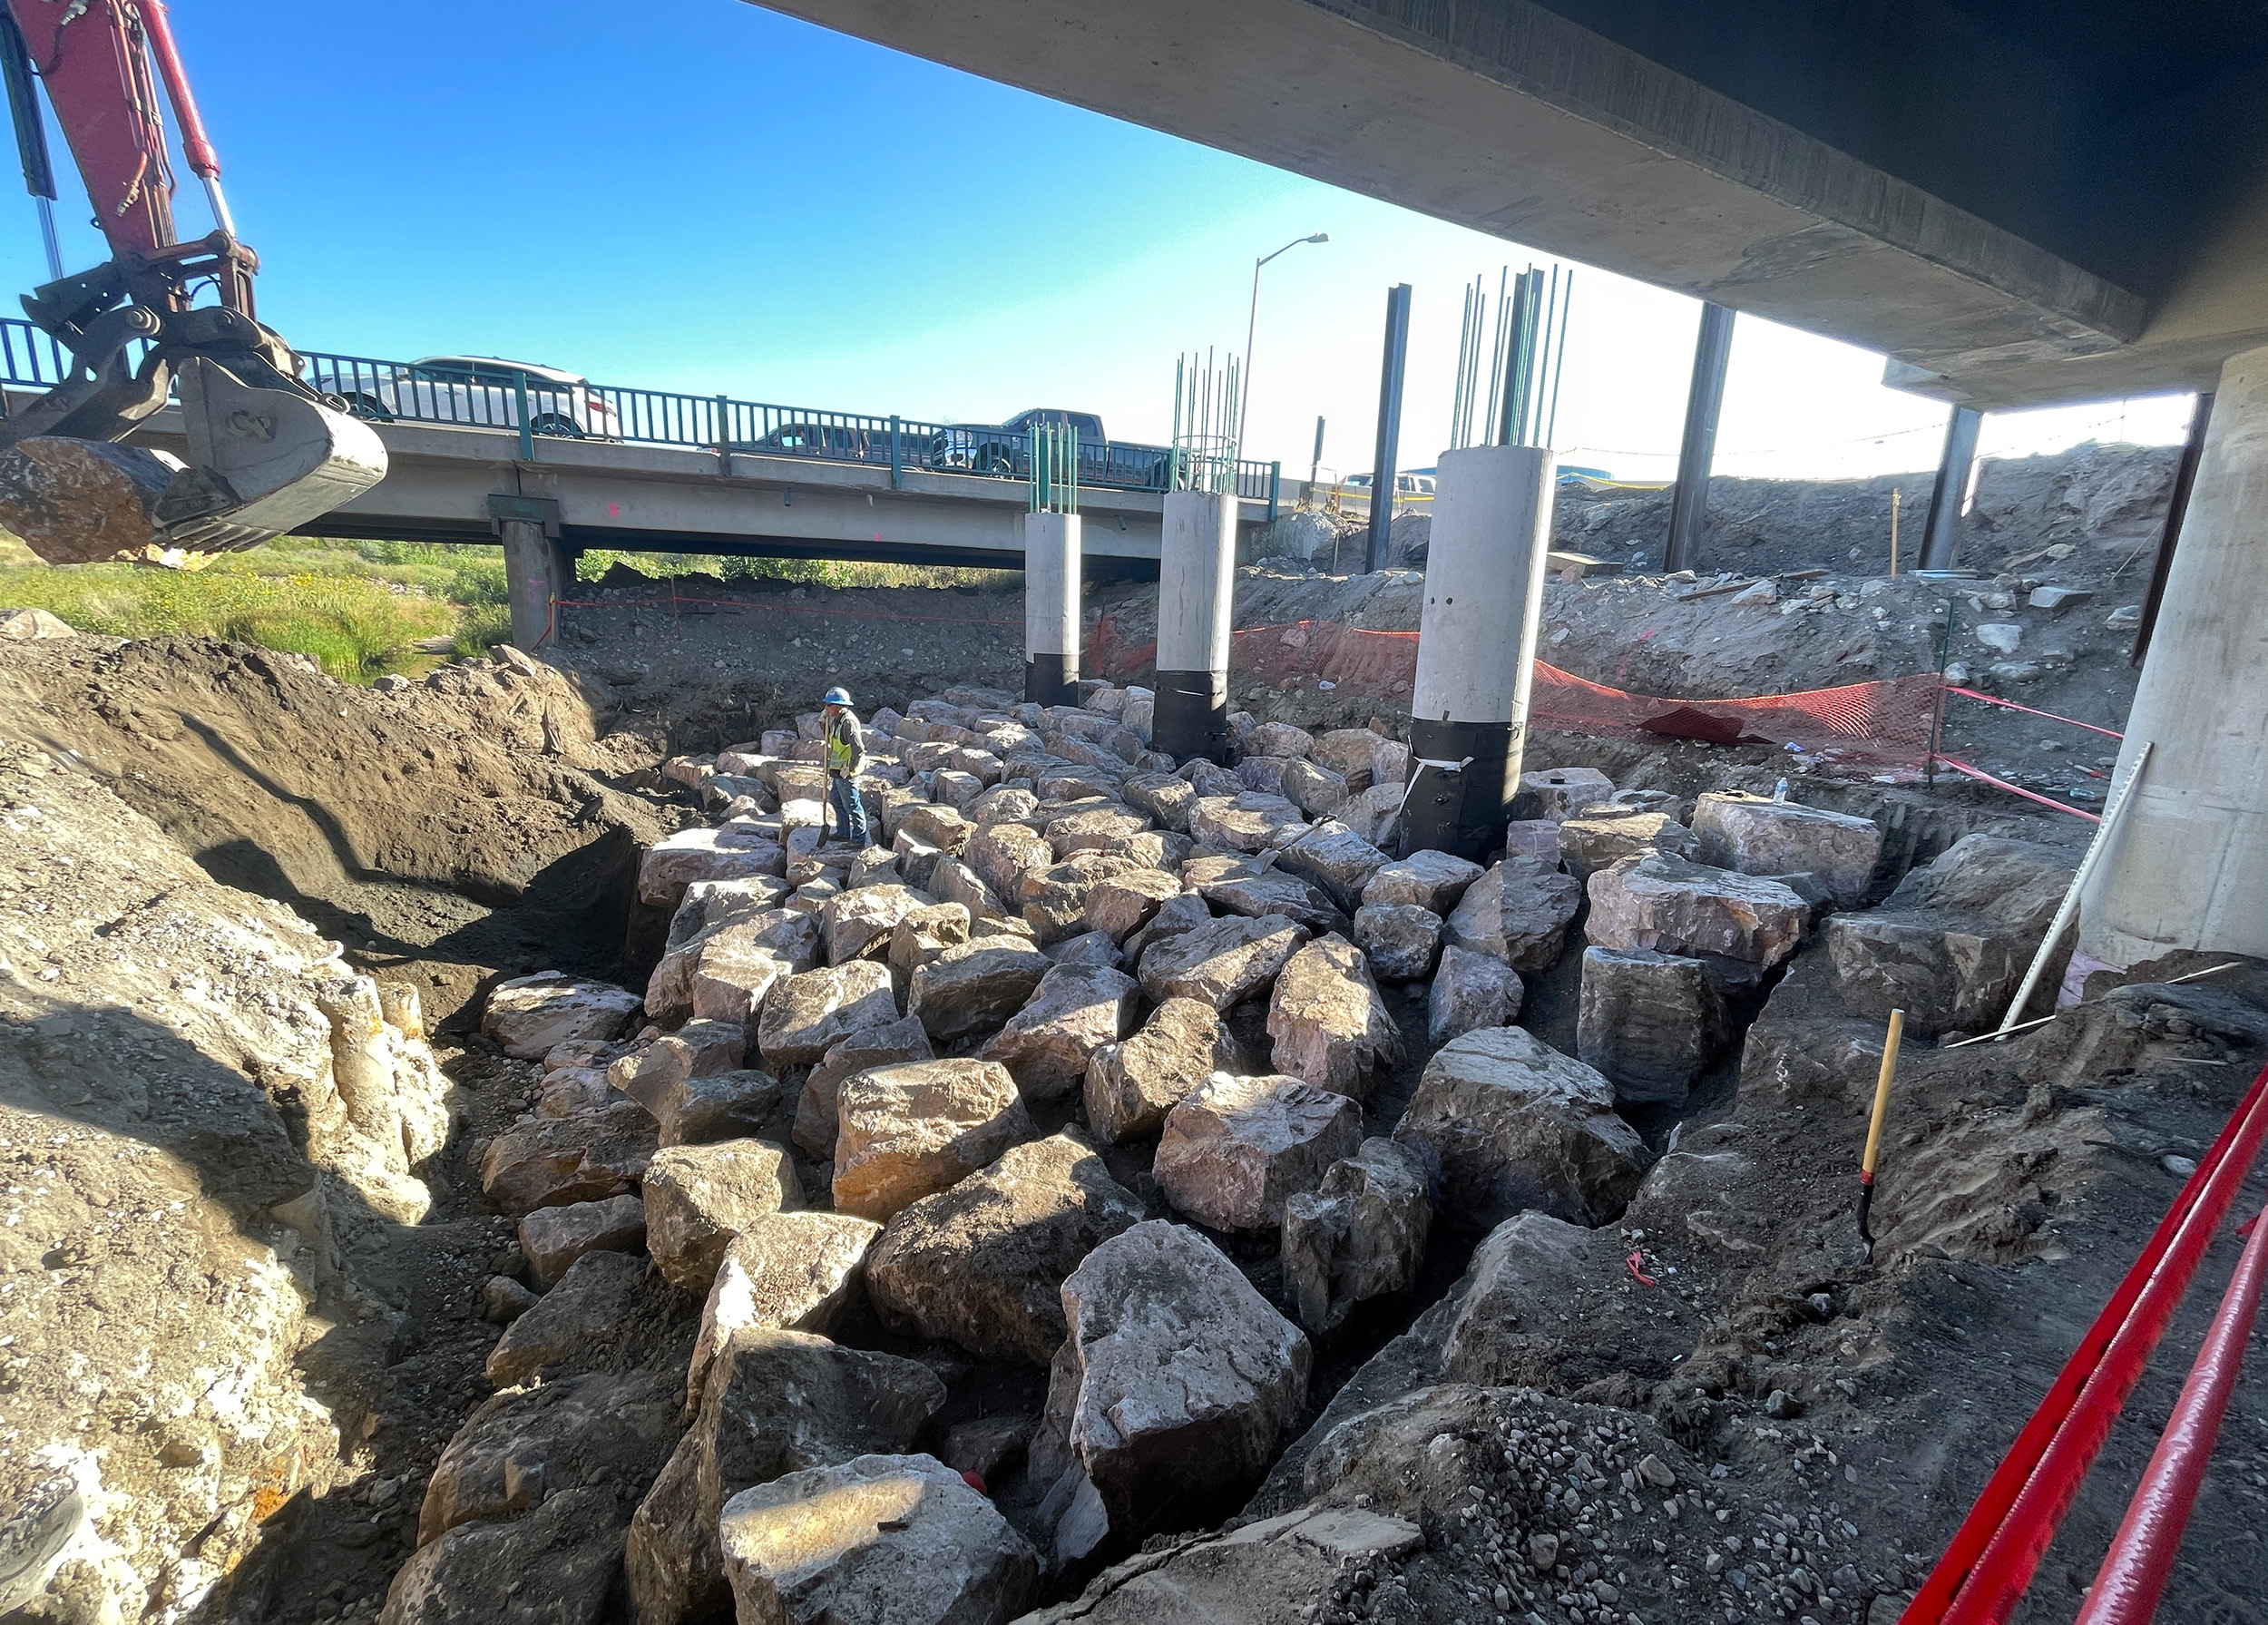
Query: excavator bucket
x,y
262,461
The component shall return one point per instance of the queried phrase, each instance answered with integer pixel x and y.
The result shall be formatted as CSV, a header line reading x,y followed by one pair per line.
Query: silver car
x,y
477,391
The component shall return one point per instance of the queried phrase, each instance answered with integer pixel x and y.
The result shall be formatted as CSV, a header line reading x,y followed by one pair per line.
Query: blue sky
x,y
702,195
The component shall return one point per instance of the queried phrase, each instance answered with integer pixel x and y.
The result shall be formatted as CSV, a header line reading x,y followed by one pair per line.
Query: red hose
x,y
1994,1553
2141,1559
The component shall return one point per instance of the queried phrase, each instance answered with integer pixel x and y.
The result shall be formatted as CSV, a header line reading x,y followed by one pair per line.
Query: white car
x,y
479,391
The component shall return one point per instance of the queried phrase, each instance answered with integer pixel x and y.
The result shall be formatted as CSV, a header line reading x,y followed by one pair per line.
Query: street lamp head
x,y
1320,237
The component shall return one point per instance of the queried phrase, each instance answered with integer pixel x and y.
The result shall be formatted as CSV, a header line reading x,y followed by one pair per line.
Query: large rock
x,y
1650,1022
807,1015
571,1325
698,1049
1254,888
1235,1148
1951,945
1094,829
1673,906
527,1016
1168,1399
525,1444
1758,836
1250,822
952,881
975,987
907,1131
1316,791
1124,904
699,1197
1376,814
552,1238
1400,940
1329,1026
1164,796
558,1564
1337,859
678,861
1470,990
1432,880
733,976
1130,1086
791,1272
881,1540
1076,1009
921,936
774,1403
1504,1123
1550,1307
1001,853
1360,1234
815,1108
1601,836
1350,752
1518,912
551,1161
983,1263
1221,963
1560,793
733,1105
1054,900
858,923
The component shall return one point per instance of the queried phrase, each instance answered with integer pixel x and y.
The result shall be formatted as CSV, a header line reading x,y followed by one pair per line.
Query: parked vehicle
x,y
484,391
837,443
1005,449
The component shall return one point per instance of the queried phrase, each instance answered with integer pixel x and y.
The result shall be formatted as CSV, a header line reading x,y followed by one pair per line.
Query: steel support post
x,y
1689,501
1382,469
1940,538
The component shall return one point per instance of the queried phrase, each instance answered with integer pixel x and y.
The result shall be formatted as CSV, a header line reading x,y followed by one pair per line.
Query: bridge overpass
x,y
2017,203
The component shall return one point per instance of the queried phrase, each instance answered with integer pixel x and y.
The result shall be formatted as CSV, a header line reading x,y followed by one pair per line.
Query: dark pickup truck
x,y
1005,448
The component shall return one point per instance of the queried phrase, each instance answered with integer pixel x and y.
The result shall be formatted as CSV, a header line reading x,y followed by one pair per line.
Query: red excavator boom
x,y
266,451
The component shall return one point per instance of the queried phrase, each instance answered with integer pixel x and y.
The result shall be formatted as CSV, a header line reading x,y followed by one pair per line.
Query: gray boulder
x,y
573,1325
1360,1234
1131,1085
1550,1308
1221,963
880,1540
552,1238
1601,836
1518,912
815,1107
975,987
699,1197
1560,793
983,1263
1400,940
558,1564
1168,1399
792,1272
1076,1009
1664,903
1337,859
907,1131
1329,1026
1470,990
527,1016
1236,1149
1427,880
1505,1122
526,1444
807,1014
1650,1022
550,1162
1758,836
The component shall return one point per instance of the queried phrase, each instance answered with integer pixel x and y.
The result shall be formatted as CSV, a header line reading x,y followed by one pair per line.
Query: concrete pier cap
x,y
2188,863
1484,566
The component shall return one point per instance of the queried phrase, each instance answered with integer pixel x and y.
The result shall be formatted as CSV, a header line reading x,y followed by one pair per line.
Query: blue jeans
x,y
850,813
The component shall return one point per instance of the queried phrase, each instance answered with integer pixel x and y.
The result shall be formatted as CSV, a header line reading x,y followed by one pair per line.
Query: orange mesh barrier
x,y
1876,728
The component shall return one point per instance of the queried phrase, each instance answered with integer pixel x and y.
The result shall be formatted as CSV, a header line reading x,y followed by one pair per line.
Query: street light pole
x,y
1252,326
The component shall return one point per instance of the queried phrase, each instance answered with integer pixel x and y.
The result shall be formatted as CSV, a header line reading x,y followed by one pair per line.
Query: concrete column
x,y
1051,609
1476,645
1941,537
1197,582
1705,396
2188,868
532,578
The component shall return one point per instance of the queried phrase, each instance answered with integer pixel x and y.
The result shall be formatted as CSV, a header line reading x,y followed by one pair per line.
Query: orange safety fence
x,y
1879,727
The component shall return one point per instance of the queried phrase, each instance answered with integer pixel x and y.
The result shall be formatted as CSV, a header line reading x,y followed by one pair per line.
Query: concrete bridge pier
x,y
2188,868
1196,583
1477,645
538,570
1050,608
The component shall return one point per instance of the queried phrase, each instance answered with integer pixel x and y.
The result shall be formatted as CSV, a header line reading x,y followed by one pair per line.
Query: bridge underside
x,y
2017,202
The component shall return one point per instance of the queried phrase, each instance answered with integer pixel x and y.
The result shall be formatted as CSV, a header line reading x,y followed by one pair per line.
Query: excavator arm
x,y
266,452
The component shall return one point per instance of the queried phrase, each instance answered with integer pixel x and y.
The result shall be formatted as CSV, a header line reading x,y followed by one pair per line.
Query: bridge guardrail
x,y
397,391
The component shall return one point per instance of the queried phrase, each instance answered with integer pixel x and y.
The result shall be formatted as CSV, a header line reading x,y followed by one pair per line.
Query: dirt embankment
x,y
444,831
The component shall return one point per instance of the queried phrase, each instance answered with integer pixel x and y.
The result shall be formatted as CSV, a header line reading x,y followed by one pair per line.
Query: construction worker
x,y
846,758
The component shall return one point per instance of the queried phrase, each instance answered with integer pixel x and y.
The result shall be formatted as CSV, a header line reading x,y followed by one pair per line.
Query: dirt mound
x,y
446,830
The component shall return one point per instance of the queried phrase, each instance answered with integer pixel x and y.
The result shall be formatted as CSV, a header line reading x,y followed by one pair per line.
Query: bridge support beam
x,y
1476,645
1705,398
1942,538
536,567
1196,583
2189,867
1050,608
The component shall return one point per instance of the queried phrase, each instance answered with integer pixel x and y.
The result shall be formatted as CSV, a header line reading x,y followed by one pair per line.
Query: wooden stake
x,y
1896,496
1875,1127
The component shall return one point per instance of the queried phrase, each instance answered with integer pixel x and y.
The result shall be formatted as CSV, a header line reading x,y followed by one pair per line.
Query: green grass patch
x,y
360,609
802,573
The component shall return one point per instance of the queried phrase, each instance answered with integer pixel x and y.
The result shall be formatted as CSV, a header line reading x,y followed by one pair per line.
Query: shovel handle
x,y
1881,1096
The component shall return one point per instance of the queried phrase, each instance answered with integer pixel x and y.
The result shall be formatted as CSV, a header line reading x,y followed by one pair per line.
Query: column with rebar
x,y
1050,568
1196,565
